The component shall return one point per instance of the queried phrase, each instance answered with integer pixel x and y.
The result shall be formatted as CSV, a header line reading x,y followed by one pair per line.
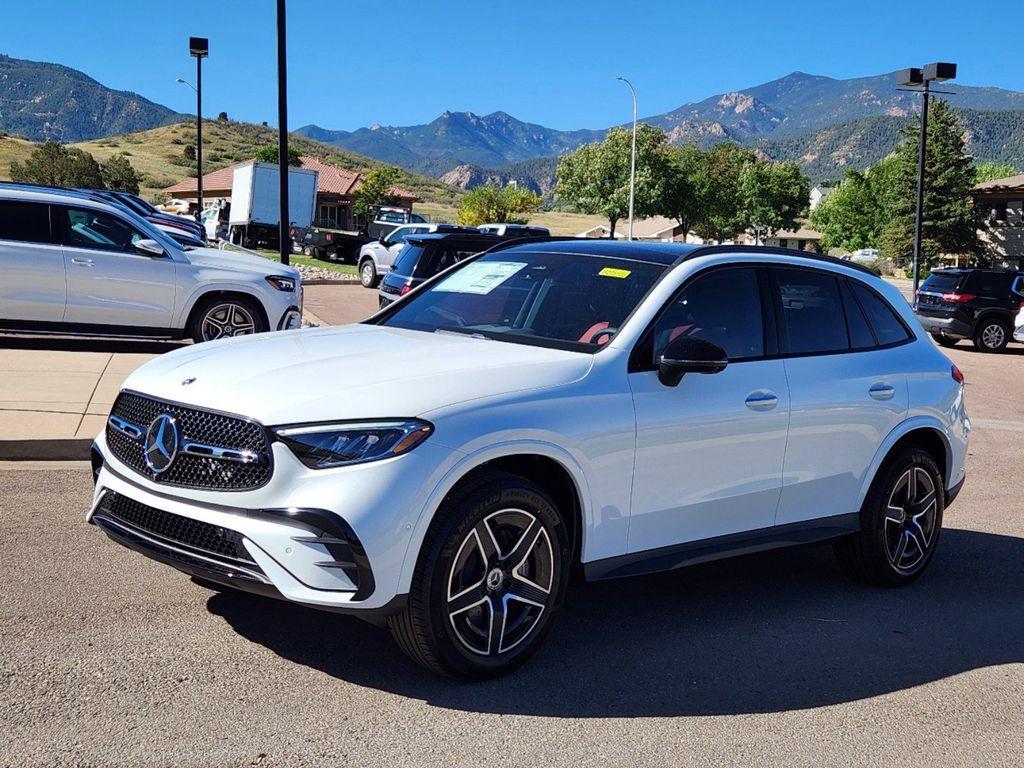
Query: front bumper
x,y
950,327
333,539
1018,333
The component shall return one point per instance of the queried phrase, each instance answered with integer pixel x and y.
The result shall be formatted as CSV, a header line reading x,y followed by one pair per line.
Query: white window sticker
x,y
480,277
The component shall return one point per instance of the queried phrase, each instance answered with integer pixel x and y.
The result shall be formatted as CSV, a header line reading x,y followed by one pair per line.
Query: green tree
x,y
595,177
849,217
378,189
118,174
992,171
950,221
504,205
54,165
268,153
223,117
772,195
723,214
688,190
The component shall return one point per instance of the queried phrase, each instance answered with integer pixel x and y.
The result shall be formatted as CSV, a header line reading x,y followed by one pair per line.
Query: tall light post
x,y
632,162
284,226
919,81
200,48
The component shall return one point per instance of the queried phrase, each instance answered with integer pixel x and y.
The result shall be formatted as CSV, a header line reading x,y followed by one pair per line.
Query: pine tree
x,y
949,220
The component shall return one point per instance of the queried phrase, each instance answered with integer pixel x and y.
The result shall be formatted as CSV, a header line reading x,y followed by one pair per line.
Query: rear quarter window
x,y
884,321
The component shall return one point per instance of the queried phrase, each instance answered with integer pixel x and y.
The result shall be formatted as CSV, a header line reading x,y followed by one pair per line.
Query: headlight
x,y
322,446
281,283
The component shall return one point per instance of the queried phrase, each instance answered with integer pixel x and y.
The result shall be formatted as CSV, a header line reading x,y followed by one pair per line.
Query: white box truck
x,y
256,203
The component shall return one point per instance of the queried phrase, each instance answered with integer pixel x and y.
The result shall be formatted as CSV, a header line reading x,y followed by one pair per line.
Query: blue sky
x,y
353,63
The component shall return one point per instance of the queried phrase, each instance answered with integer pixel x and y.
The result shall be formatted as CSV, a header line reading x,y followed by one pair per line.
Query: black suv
x,y
425,256
976,304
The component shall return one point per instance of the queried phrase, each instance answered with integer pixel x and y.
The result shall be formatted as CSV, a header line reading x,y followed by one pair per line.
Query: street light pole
x,y
283,231
200,48
632,162
919,81
919,214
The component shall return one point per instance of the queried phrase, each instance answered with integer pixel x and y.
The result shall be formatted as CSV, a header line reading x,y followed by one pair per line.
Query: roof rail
x,y
710,249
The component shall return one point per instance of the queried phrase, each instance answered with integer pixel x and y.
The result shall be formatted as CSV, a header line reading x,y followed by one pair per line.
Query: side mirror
x,y
383,241
687,354
149,247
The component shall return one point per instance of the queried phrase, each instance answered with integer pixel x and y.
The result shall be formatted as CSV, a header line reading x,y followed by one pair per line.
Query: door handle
x,y
761,400
882,391
82,262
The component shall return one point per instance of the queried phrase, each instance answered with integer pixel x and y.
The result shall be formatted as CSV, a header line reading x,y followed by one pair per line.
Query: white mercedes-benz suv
x,y
72,263
546,407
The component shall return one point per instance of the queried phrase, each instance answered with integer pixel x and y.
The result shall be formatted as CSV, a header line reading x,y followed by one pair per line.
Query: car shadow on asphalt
x,y
86,344
765,633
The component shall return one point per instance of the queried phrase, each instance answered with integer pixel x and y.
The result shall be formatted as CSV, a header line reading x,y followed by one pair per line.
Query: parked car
x,y
864,255
387,218
72,263
176,206
423,256
167,222
377,256
1018,332
976,304
585,406
514,230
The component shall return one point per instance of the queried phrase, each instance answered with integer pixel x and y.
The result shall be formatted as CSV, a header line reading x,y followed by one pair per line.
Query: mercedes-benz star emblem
x,y
161,444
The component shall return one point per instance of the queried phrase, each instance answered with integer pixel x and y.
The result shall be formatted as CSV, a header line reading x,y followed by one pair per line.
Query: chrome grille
x,y
233,433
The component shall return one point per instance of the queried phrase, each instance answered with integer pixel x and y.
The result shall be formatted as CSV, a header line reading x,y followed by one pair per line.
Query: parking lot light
x,y
199,47
632,162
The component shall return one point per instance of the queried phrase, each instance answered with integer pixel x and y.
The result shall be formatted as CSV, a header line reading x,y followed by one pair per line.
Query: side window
x,y
396,237
1018,286
25,222
883,319
860,332
723,307
86,228
812,313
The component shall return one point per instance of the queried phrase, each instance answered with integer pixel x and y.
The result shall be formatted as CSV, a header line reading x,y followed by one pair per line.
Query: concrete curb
x,y
53,449
339,281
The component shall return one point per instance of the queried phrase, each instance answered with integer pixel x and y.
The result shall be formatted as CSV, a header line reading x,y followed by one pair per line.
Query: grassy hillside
x,y
12,150
158,155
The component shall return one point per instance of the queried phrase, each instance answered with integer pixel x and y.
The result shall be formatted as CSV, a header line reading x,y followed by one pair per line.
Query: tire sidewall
x,y
513,493
364,268
205,305
873,515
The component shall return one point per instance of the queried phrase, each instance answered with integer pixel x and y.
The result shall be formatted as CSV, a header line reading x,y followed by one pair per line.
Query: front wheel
x,y
227,317
490,578
900,522
368,274
991,336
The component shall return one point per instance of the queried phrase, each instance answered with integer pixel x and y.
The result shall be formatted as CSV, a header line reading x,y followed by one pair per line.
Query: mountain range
x,y
43,101
824,124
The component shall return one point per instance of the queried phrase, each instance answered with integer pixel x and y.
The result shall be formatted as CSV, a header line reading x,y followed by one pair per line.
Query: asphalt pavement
x,y
774,659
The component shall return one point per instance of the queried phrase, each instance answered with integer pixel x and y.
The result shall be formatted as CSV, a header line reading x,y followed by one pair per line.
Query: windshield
x,y
569,301
405,262
150,230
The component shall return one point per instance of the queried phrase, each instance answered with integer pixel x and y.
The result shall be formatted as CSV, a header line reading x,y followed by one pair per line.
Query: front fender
x,y
198,291
477,458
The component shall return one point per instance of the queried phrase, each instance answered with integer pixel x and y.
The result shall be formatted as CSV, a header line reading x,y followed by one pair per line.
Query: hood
x,y
350,372
238,262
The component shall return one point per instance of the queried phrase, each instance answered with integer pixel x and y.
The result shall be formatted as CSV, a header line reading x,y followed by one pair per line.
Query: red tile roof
x,y
331,179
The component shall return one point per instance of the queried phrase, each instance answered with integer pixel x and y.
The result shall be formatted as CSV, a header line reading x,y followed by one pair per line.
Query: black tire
x,y
871,554
448,639
991,335
307,251
236,315
944,341
368,274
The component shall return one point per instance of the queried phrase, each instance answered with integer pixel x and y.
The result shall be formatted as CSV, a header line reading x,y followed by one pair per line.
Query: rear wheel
x,y
368,274
226,317
490,578
944,341
900,522
991,336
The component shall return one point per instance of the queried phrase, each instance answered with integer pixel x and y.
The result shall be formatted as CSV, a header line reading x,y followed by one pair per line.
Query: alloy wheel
x,y
367,274
992,335
910,519
227,320
500,582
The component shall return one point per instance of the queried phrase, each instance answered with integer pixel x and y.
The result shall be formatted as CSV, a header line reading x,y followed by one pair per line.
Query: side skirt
x,y
89,329
720,547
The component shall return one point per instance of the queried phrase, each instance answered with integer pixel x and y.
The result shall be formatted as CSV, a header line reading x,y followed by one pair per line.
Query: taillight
x,y
957,374
405,289
958,298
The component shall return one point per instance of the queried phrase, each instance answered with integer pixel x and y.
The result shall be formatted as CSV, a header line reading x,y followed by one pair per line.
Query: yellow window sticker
x,y
613,272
